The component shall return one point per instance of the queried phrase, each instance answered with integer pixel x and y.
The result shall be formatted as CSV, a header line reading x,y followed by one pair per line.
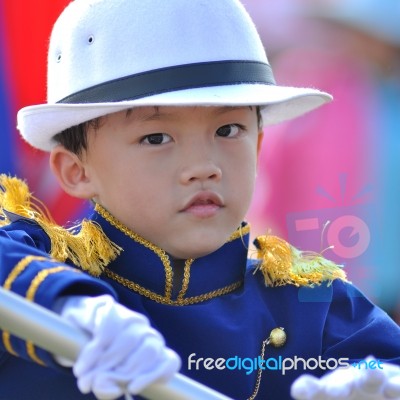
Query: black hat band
x,y
163,80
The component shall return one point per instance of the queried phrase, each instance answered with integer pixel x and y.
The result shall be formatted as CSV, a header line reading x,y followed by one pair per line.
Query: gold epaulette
x,y
283,264
85,244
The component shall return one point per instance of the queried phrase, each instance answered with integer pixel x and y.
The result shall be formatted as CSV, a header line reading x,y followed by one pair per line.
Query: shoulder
x,y
282,264
25,231
18,214
21,215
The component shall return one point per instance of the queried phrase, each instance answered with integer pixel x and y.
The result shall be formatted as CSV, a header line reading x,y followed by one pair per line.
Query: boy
x,y
154,113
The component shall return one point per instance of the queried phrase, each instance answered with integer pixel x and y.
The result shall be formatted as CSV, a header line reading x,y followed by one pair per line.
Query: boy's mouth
x,y
203,205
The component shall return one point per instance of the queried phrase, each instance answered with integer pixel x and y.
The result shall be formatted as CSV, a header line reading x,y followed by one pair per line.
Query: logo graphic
x,y
343,233
249,365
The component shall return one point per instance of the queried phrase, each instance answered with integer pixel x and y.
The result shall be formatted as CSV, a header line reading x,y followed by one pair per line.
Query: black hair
x,y
74,139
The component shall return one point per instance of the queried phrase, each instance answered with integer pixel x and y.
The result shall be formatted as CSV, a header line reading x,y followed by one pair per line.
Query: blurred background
x,y
25,28
329,178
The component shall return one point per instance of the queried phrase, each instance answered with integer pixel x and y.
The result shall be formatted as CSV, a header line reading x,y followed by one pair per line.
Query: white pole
x,y
48,330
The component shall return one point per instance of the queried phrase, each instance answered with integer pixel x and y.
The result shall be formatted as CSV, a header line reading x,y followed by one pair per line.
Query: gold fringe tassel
x,y
283,264
86,245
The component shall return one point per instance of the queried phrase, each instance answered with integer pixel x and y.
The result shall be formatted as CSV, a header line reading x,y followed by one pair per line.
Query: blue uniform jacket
x,y
217,317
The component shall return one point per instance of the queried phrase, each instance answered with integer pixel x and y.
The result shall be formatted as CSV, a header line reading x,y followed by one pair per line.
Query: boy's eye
x,y
231,130
156,138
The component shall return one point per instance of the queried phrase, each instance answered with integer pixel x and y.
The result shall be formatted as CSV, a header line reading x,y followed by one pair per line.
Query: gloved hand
x,y
351,384
125,353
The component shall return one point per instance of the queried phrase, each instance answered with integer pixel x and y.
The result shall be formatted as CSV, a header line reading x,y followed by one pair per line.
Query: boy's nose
x,y
201,171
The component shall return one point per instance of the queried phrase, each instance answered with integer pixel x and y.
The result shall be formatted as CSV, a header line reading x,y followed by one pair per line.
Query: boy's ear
x,y
71,173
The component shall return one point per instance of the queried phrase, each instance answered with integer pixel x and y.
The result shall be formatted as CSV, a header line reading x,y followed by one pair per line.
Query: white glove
x,y
351,384
125,353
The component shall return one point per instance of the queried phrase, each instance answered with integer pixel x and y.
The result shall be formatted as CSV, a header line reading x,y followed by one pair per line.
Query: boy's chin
x,y
196,250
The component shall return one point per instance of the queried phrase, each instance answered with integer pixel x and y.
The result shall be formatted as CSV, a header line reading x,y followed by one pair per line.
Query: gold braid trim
x,y
283,264
167,300
30,296
186,279
18,269
86,245
162,255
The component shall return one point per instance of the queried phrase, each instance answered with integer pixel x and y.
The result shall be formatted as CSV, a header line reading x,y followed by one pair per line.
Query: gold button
x,y
277,337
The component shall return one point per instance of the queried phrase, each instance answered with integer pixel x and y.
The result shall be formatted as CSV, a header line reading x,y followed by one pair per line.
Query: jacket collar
x,y
147,269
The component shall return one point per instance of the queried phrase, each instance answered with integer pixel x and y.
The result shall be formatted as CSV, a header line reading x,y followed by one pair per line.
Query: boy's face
x,y
181,177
